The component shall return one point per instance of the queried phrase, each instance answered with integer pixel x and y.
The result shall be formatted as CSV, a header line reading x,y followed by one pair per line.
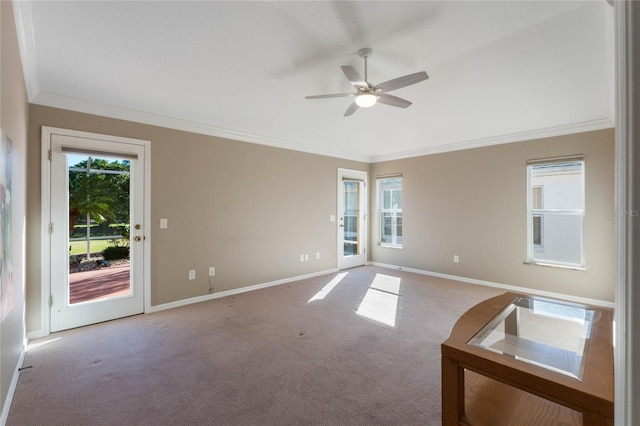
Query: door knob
x,y
137,238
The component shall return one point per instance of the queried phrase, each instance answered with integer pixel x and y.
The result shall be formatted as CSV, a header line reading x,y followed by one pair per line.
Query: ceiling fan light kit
x,y
366,100
367,95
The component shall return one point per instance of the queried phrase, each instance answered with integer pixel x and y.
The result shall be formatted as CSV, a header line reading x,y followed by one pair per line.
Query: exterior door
x,y
352,216
97,253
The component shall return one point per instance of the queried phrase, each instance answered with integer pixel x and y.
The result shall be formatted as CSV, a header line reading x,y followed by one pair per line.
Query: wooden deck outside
x,y
99,284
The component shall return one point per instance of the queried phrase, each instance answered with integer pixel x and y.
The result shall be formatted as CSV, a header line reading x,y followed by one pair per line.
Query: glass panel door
x,y
97,202
352,213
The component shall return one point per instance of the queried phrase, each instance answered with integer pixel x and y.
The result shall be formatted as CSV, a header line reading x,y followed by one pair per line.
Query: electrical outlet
x,y
212,271
192,274
317,255
456,259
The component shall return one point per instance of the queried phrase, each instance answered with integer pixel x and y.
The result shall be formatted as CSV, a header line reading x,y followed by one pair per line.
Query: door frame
x,y
363,176
627,348
45,215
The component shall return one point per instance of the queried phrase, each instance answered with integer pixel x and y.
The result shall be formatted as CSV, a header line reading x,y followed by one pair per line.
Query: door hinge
x,y
51,228
50,301
49,155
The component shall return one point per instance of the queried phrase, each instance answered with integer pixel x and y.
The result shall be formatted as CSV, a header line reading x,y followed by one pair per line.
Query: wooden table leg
x,y
452,392
592,419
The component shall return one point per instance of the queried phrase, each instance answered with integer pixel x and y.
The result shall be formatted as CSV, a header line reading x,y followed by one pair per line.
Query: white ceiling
x,y
500,71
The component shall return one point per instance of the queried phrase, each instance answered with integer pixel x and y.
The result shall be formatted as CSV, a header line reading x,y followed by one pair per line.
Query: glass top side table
x,y
559,352
546,333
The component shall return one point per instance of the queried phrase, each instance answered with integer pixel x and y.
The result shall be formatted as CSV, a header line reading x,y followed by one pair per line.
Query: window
x,y
390,208
556,211
536,204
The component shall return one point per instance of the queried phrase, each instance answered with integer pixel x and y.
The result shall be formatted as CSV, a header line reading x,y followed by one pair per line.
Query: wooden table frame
x,y
592,396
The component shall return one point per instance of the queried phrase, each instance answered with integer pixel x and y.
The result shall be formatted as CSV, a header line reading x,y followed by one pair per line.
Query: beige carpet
x,y
267,357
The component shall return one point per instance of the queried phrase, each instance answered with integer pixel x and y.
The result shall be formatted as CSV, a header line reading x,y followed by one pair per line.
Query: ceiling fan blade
x,y
356,79
335,95
352,108
395,101
400,82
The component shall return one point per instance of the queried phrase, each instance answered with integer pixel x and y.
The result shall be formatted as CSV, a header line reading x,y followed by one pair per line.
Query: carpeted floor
x,y
267,357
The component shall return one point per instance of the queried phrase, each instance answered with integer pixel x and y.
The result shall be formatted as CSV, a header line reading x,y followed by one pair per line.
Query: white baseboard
x,y
12,389
226,293
513,288
36,334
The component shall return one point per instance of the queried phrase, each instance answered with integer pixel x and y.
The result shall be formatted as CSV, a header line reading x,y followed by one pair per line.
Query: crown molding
x,y
587,126
111,111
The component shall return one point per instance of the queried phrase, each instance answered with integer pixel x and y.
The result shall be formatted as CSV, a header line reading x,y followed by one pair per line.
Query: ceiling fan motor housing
x,y
365,52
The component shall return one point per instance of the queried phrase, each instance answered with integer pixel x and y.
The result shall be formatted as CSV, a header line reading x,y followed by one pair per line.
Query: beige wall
x,y
473,203
13,120
249,210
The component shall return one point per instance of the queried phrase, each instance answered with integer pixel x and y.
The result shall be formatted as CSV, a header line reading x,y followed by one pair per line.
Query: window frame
x,y
394,211
532,212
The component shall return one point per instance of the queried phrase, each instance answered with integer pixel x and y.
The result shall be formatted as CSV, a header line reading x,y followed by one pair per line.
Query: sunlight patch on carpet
x,y
324,291
33,346
380,303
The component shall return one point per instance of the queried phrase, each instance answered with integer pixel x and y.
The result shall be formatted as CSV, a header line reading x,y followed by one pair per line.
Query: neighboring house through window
x,y
556,211
536,204
390,208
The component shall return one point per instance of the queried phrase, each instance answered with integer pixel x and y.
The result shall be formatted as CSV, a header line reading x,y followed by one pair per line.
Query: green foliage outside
x,y
80,247
118,248
104,199
115,252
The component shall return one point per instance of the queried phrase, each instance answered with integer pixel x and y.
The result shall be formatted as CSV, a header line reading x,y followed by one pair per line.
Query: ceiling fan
x,y
367,95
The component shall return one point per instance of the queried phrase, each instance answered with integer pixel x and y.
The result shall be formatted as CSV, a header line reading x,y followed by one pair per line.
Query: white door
x,y
96,203
352,216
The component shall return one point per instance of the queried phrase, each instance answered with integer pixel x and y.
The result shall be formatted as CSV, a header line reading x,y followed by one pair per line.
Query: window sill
x,y
390,246
554,265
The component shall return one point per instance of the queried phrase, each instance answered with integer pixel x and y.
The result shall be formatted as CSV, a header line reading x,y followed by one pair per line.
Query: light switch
x,y
163,223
